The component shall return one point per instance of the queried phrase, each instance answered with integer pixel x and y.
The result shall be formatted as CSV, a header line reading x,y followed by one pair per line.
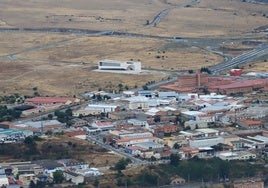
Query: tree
x,y
122,164
120,86
50,116
157,118
96,182
147,179
174,159
58,176
153,158
145,87
29,140
176,146
69,112
190,71
32,184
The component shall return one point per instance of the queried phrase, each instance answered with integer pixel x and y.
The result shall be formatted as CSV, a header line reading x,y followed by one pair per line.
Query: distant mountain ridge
x,y
256,1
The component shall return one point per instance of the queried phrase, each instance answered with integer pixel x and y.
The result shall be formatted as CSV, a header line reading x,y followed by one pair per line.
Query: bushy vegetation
x,y
64,117
212,169
121,164
193,170
11,99
8,114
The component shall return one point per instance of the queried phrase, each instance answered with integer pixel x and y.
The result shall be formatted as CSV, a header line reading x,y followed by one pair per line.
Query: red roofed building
x,y
75,133
245,86
236,72
104,125
51,100
189,152
217,84
250,123
165,129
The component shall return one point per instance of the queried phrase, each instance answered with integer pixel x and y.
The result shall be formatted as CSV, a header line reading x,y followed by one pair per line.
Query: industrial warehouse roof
x,y
193,113
38,124
149,145
10,132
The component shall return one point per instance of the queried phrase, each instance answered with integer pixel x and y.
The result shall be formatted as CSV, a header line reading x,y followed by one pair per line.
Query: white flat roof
x,y
193,113
228,154
207,130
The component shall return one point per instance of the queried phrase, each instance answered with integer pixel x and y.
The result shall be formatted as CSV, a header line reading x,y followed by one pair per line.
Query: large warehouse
x,y
120,65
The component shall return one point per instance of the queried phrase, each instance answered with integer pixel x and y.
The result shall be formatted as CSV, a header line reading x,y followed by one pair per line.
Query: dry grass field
x,y
67,68
63,64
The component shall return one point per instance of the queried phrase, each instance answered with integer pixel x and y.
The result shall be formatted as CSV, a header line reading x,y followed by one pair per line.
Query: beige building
x,y
27,178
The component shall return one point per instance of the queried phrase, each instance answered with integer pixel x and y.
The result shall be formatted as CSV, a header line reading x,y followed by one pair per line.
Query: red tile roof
x,y
239,84
104,124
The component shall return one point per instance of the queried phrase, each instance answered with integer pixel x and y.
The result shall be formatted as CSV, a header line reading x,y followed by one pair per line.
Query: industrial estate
x,y
135,121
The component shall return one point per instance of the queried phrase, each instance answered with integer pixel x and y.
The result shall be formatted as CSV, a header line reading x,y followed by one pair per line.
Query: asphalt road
x,y
164,12
244,58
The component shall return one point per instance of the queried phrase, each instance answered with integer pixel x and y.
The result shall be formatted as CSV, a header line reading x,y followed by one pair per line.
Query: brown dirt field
x,y
259,66
213,18
66,68
209,18
57,70
84,150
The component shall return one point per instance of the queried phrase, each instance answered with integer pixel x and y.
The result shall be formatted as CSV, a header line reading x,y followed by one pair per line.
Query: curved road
x,y
164,12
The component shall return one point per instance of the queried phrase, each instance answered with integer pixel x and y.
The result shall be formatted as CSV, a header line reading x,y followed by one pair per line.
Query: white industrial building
x,y
238,155
205,142
95,109
119,65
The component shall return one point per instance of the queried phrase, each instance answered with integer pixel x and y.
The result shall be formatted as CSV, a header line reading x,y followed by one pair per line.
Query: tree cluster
x,y
122,164
64,117
205,69
8,114
213,169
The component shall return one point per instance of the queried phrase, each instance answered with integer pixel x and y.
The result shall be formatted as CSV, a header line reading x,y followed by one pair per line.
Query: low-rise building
x,y
39,126
73,177
95,109
3,180
51,100
250,123
103,125
205,142
27,178
236,155
77,122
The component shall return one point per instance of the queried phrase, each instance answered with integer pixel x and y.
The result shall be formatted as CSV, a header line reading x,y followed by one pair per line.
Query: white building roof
x,y
207,131
138,99
193,113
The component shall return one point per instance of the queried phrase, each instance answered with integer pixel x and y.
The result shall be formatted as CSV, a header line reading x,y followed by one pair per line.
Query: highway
x,y
244,58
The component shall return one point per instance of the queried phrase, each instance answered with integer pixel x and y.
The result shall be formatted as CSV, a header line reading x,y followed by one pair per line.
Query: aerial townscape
x,y
134,93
